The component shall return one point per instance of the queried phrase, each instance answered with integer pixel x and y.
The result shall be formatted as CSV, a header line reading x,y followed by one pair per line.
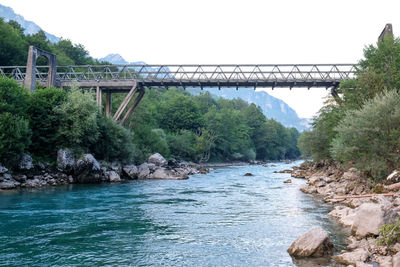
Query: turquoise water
x,y
219,219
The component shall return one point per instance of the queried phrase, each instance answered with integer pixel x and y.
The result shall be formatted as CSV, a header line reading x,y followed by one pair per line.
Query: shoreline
x,y
358,208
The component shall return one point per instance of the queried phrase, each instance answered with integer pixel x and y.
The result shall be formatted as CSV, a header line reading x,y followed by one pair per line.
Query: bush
x,y
45,122
14,137
150,141
78,120
317,142
13,97
182,145
370,137
114,142
389,234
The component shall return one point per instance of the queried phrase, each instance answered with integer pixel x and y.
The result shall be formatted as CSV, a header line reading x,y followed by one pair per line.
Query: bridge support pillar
x,y
133,107
30,76
108,105
125,102
99,95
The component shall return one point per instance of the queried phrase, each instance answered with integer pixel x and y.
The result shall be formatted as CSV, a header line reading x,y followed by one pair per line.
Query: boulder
x,y
113,176
173,163
26,163
396,259
157,159
144,171
3,169
369,217
152,167
116,166
314,243
131,171
20,178
87,170
65,160
288,181
298,173
163,173
394,177
358,255
9,184
248,174
35,182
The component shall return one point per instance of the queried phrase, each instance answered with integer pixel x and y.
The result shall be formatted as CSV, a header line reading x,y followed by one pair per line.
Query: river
x,y
219,219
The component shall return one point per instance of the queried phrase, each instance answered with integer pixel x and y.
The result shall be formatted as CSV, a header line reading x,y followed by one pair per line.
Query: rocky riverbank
x,y
359,206
70,169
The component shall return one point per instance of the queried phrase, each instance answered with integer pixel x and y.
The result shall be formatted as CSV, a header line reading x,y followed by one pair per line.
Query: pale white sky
x,y
221,31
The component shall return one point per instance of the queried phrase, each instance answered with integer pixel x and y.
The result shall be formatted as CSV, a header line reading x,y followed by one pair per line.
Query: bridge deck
x,y
121,77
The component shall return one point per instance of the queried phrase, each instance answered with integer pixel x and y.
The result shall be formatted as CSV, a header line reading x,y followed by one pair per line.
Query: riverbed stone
x,y
20,178
163,173
26,163
158,160
65,160
314,243
9,184
352,257
3,169
368,218
131,171
144,171
87,169
113,176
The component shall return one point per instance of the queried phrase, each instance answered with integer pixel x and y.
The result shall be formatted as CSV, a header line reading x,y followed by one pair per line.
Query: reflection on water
x,y
219,219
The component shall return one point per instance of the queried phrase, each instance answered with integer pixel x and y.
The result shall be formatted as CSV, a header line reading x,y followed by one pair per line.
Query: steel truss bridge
x,y
121,77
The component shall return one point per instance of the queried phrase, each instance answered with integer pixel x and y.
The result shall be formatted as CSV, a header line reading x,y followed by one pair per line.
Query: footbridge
x,y
134,79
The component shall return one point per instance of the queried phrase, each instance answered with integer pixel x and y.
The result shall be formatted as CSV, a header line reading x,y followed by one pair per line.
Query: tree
x,y
78,120
45,121
181,113
370,137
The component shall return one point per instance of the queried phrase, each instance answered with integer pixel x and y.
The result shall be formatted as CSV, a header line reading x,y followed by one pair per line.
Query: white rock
x,y
368,218
157,159
144,171
314,243
359,255
113,176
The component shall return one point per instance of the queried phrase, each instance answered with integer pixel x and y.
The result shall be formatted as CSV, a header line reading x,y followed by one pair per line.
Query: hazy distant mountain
x,y
30,27
272,107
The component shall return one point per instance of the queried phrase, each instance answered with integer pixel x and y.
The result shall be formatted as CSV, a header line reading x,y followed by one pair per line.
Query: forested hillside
x,y
362,128
171,122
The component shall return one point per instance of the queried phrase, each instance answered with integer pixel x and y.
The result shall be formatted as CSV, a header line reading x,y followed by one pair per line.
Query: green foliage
x,y
114,142
182,145
371,136
317,143
78,120
13,97
45,122
15,133
181,113
12,44
150,141
389,234
14,137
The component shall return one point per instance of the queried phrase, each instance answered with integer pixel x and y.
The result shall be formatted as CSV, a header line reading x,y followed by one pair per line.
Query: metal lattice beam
x,y
272,75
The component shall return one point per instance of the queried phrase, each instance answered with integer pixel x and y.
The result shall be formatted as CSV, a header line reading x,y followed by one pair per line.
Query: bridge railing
x,y
215,74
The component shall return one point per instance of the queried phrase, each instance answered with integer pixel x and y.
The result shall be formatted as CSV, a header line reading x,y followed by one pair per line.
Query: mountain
x,y
30,27
272,107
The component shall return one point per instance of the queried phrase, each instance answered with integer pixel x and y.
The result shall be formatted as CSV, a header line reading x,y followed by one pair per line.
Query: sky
x,y
221,32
